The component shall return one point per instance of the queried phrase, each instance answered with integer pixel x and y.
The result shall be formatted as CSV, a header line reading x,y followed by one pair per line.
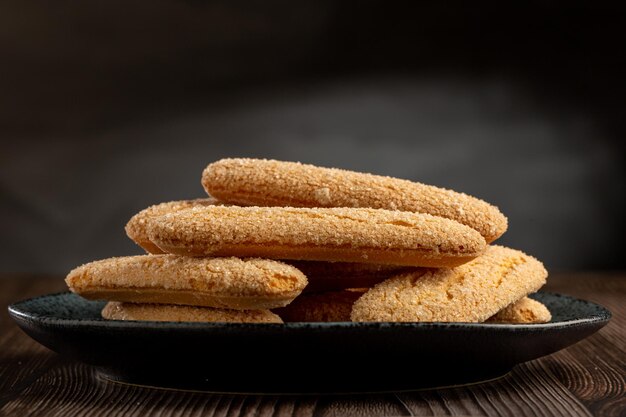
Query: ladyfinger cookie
x,y
114,310
321,307
136,228
323,234
337,306
332,276
522,311
472,292
232,283
276,183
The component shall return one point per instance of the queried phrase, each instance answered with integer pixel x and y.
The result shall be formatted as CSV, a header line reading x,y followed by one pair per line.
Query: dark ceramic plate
x,y
300,357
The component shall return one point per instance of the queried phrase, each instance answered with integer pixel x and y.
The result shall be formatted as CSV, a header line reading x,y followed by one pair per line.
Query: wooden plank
x,y
72,389
594,368
22,361
24,365
528,391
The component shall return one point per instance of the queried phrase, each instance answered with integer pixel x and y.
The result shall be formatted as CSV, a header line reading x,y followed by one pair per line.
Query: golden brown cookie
x,y
325,234
136,228
524,311
275,183
165,312
333,276
324,306
231,283
468,293
337,306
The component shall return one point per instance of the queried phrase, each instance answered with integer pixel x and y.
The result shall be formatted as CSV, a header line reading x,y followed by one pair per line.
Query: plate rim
x,y
18,314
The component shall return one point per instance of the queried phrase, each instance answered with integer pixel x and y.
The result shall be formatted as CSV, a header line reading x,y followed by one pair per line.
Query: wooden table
x,y
582,380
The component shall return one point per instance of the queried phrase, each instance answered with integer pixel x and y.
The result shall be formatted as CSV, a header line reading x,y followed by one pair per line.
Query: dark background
x,y
107,107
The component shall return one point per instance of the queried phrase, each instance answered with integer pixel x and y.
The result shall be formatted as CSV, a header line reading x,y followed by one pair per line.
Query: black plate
x,y
300,357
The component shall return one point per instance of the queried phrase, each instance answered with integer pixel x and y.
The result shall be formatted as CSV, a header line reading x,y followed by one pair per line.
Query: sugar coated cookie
x,y
324,234
325,307
136,228
114,310
231,283
275,183
523,311
472,292
337,306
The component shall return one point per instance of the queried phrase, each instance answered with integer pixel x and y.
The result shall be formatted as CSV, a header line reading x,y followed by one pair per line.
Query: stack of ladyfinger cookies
x,y
284,241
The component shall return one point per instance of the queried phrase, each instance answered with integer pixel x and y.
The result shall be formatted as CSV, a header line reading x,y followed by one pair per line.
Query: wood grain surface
x,y
586,379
